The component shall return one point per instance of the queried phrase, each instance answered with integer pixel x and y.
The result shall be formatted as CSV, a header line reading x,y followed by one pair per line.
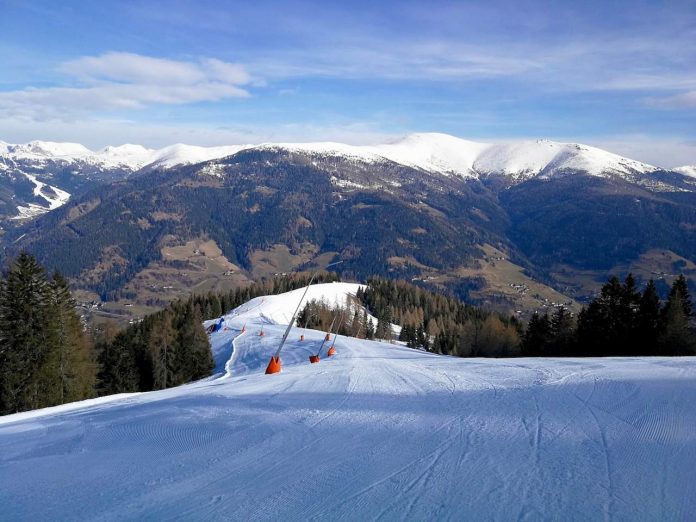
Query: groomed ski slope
x,y
377,432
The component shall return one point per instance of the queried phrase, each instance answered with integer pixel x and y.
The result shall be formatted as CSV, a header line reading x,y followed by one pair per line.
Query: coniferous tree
x,y
118,372
162,351
562,330
194,358
537,338
605,326
24,300
384,329
680,286
369,329
676,337
648,323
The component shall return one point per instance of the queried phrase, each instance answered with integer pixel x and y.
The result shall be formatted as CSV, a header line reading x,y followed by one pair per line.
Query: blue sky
x,y
621,75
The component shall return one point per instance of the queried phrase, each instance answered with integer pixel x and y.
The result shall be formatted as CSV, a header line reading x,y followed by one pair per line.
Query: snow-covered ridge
x,y
278,309
545,158
431,152
687,170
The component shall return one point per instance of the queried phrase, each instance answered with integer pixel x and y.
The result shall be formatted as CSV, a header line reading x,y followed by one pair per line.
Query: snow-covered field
x,y
377,432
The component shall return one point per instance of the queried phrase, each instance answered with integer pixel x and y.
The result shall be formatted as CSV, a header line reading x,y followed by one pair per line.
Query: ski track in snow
x,y
378,432
60,198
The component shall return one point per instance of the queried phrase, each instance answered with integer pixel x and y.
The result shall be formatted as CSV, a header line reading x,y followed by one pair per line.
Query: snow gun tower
x,y
274,365
315,358
332,350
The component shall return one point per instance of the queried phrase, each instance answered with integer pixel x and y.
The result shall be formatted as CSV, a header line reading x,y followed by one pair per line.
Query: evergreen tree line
x,y
348,320
165,349
46,356
439,323
622,320
213,305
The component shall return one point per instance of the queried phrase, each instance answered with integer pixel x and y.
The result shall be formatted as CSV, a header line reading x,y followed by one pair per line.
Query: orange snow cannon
x,y
273,366
331,352
314,359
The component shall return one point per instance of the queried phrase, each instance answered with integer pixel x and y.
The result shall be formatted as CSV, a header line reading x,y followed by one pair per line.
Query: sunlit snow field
x,y
377,432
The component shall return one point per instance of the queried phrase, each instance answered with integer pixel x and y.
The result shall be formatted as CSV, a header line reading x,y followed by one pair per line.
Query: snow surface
x,y
129,156
543,157
431,152
687,170
379,431
181,154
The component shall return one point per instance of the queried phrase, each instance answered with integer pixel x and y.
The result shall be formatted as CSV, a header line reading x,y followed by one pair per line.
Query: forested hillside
x,y
560,237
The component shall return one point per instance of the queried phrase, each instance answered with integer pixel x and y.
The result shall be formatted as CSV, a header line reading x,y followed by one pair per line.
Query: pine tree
x,y
605,326
562,329
194,358
648,321
118,372
369,329
23,314
681,287
536,340
384,329
676,337
162,351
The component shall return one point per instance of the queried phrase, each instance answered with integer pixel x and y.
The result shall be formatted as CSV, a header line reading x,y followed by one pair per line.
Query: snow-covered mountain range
x,y
39,176
431,152
128,156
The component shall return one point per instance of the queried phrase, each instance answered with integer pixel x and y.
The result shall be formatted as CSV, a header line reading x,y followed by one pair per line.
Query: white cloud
x,y
667,152
116,81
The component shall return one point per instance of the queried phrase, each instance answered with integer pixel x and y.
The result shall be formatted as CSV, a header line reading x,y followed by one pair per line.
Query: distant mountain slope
x,y
430,207
73,169
387,220
40,176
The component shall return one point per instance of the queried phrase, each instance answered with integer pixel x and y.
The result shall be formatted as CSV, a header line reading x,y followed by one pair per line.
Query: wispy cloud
x,y
676,101
114,81
96,133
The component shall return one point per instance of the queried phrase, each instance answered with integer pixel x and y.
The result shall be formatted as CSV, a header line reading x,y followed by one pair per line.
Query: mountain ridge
x,y
438,152
36,175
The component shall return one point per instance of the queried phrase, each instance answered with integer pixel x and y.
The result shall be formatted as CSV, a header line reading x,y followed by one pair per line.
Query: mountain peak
x,y
51,149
